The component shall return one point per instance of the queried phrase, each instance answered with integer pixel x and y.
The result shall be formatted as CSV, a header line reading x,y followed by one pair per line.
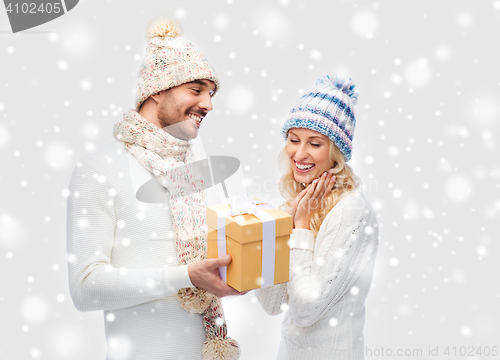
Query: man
x,y
144,262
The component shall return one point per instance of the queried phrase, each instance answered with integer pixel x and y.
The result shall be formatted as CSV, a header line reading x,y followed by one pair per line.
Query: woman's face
x,y
308,151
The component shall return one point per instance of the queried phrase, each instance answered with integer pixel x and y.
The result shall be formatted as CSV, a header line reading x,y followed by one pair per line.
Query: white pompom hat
x,y
170,60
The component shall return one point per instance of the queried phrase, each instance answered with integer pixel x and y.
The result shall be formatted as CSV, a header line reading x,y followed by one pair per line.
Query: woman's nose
x,y
302,153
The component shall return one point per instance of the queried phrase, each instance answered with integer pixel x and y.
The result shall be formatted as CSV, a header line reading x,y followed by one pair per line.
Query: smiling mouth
x,y
303,167
197,118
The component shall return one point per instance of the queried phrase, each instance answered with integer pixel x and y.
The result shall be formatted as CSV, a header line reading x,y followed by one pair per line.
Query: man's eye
x,y
196,90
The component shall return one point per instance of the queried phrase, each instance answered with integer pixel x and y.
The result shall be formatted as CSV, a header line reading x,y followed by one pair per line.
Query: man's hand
x,y
205,275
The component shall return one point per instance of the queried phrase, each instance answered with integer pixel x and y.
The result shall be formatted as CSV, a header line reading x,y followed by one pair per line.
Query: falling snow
x,y
13,232
240,99
34,309
67,341
418,73
4,135
365,23
425,148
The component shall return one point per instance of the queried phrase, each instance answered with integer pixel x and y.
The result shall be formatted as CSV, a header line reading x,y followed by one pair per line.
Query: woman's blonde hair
x,y
346,181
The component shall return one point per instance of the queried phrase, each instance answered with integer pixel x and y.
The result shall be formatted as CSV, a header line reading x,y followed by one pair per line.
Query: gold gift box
x,y
244,244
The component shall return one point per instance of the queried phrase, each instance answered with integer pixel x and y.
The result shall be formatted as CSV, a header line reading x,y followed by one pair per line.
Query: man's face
x,y
182,108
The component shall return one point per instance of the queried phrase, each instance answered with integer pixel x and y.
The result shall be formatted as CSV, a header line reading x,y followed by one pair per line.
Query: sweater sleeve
x,y
273,299
95,284
322,271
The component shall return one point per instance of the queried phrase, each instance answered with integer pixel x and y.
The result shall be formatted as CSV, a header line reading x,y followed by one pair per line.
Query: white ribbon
x,y
241,205
221,239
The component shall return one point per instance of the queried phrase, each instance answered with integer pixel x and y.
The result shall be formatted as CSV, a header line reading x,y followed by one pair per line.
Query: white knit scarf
x,y
160,153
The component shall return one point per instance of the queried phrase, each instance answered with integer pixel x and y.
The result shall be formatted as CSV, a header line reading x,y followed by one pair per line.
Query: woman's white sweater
x,y
330,277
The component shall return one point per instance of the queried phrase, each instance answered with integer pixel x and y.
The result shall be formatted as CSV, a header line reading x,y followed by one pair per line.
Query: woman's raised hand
x,y
309,200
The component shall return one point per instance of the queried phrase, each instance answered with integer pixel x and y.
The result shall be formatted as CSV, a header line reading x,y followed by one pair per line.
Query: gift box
x,y
259,248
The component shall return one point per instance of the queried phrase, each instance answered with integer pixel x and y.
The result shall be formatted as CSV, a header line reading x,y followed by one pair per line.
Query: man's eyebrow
x,y
201,82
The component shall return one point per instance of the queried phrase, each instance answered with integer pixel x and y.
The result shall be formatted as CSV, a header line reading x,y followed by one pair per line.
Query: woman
x,y
335,237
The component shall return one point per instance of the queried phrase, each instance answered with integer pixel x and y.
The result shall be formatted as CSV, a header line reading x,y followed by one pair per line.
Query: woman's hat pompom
x,y
163,27
344,84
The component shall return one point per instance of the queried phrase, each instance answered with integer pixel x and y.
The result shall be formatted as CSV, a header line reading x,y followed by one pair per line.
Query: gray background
x,y
426,147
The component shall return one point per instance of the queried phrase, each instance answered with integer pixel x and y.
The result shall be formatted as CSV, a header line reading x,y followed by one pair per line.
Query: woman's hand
x,y
293,205
309,200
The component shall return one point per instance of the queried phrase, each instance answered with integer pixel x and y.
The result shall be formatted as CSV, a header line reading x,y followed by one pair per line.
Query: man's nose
x,y
206,103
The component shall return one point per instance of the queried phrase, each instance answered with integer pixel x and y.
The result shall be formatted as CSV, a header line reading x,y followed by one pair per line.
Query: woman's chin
x,y
303,179
306,178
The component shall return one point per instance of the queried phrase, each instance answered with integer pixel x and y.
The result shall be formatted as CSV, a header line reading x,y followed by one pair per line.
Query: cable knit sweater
x,y
330,277
122,259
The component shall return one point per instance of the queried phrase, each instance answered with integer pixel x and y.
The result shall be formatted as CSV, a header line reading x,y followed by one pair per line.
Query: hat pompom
x,y
163,27
344,84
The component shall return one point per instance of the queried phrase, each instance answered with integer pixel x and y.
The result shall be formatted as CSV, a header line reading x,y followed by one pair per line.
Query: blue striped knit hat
x,y
329,110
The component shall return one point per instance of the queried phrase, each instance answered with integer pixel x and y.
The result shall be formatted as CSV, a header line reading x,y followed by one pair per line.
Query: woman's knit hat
x,y
328,109
170,60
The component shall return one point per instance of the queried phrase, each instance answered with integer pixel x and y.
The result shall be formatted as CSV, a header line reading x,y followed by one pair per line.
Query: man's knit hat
x,y
328,109
170,60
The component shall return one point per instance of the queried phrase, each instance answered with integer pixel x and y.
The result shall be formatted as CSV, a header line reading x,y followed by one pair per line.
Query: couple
x,y
144,261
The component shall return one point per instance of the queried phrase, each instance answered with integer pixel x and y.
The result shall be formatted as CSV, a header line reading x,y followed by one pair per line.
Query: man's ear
x,y
156,97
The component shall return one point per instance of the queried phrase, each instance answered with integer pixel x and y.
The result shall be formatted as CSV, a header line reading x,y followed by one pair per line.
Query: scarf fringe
x,y
194,300
221,349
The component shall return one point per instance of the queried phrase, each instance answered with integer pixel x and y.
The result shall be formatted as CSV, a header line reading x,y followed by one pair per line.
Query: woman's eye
x,y
294,141
316,145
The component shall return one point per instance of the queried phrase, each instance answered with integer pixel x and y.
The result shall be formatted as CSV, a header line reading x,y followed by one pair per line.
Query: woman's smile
x,y
308,151
302,167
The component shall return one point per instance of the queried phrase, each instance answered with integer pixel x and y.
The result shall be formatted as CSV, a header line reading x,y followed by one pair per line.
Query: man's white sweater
x,y
330,277
122,259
